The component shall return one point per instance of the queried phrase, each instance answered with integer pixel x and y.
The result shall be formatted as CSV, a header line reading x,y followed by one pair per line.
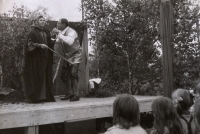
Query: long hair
x,y
182,99
126,111
197,115
165,115
197,88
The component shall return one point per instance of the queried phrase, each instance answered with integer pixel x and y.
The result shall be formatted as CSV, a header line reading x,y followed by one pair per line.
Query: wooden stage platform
x,y
33,115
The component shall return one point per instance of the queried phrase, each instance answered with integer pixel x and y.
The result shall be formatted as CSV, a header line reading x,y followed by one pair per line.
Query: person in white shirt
x,y
67,39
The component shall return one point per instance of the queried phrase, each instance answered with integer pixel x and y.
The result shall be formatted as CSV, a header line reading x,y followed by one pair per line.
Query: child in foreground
x,y
196,120
166,119
183,100
126,116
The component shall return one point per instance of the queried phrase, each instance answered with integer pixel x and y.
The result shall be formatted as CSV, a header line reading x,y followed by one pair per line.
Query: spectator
x,y
166,118
183,100
126,116
196,120
197,90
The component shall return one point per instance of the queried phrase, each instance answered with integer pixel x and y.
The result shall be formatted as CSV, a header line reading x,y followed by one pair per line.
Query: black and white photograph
x,y
99,66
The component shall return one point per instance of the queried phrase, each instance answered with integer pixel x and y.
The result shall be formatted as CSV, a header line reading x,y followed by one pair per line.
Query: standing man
x,y
67,39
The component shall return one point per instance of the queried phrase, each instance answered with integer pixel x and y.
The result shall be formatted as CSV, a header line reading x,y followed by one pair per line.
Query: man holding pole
x,y
67,39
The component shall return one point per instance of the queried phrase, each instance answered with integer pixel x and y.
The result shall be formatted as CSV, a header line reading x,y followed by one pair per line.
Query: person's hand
x,y
53,35
43,46
55,31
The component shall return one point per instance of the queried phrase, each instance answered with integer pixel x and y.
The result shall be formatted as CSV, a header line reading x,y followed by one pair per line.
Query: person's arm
x,y
32,45
69,38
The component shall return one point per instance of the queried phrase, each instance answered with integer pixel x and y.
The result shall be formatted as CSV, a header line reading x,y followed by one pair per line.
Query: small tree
x,y
186,46
15,26
40,10
124,35
14,29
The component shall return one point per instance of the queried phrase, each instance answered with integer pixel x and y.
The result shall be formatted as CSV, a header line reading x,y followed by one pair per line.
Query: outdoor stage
x,y
33,115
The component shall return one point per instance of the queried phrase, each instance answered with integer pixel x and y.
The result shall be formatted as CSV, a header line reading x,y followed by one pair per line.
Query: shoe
x,y
67,97
75,98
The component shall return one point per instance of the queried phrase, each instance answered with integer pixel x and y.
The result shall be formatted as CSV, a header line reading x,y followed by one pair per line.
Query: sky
x,y
56,8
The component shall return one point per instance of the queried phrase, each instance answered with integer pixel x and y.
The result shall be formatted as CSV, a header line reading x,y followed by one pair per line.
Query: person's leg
x,y
65,76
68,85
75,80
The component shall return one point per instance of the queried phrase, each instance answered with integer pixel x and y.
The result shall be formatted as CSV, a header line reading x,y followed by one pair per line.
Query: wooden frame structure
x,y
31,116
166,32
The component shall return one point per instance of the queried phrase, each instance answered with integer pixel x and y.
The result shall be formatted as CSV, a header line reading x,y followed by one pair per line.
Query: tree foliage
x,y
125,38
15,26
186,44
14,29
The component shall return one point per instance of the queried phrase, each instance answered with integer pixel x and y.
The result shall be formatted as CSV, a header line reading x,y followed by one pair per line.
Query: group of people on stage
x,y
38,73
169,114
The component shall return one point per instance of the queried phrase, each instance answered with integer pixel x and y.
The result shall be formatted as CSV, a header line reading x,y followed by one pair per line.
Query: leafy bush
x,y
15,26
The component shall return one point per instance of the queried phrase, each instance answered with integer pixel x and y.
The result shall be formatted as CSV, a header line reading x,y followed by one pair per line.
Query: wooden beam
x,y
84,66
87,126
25,115
32,130
166,32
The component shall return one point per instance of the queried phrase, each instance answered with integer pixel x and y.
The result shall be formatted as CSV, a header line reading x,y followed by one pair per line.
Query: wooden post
x,y
84,74
166,32
32,130
85,41
82,7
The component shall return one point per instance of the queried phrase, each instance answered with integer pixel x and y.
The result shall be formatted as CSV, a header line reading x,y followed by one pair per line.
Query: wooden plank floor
x,y
24,114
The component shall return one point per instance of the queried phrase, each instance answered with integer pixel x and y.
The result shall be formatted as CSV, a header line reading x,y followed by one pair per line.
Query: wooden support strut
x,y
166,32
32,130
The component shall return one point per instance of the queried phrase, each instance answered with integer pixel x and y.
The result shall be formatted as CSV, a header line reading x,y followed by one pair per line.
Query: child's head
x,y
163,109
197,115
182,100
165,115
126,111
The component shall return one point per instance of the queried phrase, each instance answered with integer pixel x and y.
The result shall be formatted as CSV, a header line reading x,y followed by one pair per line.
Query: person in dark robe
x,y
38,64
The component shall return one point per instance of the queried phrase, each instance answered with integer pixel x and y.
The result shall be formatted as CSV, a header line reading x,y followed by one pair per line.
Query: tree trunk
x,y
129,77
130,82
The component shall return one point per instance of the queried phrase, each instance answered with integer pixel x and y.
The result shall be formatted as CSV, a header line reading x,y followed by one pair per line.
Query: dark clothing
x,y
38,66
69,76
69,72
